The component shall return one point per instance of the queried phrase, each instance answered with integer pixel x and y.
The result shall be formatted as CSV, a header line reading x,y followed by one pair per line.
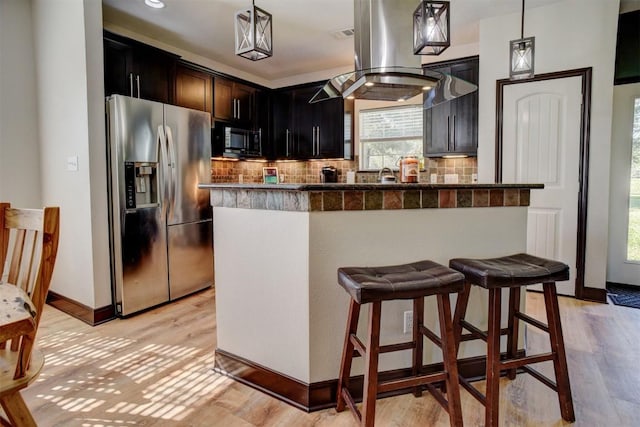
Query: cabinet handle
x,y
313,141
454,132
287,141
130,84
318,142
138,83
448,132
260,139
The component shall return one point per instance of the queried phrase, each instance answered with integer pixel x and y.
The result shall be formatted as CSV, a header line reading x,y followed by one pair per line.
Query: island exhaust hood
x,y
386,68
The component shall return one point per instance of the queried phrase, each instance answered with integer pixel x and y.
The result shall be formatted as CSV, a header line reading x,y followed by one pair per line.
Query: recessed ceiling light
x,y
156,4
369,84
426,87
351,97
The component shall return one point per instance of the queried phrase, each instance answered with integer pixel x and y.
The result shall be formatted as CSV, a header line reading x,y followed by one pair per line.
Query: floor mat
x,y
626,296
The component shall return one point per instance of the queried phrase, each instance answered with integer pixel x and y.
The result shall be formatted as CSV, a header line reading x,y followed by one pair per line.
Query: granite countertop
x,y
364,186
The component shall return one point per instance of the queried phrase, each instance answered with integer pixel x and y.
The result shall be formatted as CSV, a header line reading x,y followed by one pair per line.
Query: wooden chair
x,y
28,248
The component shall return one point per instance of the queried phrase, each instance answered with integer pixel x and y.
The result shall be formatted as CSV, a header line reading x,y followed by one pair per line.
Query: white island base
x,y
281,315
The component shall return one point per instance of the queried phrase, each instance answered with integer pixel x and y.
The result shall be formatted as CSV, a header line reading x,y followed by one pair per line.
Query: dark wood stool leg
x,y
557,347
370,392
449,357
461,308
418,349
512,336
347,354
493,359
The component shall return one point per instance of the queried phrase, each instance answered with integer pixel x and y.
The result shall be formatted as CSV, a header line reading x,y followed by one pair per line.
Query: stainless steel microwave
x,y
237,143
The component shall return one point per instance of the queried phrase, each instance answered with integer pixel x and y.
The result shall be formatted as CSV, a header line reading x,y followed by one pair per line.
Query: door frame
x,y
581,291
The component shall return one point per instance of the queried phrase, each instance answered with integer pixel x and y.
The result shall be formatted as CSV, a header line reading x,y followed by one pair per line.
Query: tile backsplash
x,y
300,172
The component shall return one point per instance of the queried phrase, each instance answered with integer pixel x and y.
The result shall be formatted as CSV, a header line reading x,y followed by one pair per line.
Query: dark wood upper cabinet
x,y
138,70
305,131
451,128
193,88
233,102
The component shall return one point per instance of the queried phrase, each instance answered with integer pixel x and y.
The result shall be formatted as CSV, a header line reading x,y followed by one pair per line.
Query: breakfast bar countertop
x,y
367,196
363,186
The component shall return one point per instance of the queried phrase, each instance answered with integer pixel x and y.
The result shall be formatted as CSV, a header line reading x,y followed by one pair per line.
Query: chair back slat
x,y
28,248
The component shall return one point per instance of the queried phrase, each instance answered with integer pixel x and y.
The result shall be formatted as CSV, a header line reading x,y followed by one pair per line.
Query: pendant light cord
x,y
522,22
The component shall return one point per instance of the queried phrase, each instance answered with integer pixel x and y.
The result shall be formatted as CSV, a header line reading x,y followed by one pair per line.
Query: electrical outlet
x,y
451,178
408,322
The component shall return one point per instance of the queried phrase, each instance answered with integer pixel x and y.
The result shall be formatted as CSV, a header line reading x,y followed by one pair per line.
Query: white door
x,y
623,265
541,144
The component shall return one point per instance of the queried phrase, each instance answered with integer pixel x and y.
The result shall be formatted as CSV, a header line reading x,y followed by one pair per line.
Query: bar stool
x,y
513,272
372,285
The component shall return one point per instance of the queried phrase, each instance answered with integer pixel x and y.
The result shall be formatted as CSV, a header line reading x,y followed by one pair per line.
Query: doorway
x,y
585,75
623,264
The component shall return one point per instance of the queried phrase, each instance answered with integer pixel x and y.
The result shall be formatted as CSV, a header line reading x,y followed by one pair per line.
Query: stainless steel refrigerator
x,y
160,222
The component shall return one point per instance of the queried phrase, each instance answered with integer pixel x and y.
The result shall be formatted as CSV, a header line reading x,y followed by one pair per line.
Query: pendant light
x,y
521,54
253,28
431,28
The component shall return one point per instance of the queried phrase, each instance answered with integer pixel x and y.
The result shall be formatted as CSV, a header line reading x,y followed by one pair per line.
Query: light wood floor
x,y
154,369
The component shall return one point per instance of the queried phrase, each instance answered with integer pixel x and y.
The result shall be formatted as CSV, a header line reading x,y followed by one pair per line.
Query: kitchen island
x,y
280,313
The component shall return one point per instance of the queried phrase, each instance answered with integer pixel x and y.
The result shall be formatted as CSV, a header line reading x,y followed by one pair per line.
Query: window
x,y
386,134
633,241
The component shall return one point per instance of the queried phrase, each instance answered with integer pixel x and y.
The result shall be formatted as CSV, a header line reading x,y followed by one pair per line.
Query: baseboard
x,y
322,395
92,316
594,294
624,285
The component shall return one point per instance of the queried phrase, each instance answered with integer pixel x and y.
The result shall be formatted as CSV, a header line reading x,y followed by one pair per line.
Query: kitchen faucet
x,y
386,175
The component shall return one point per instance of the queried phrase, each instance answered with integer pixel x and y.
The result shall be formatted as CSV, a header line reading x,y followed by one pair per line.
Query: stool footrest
x,y
397,347
429,334
526,360
351,404
542,378
437,394
472,390
410,382
475,333
533,322
358,345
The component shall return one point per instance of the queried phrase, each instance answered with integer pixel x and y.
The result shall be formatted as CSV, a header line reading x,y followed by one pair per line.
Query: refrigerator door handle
x,y
164,160
171,149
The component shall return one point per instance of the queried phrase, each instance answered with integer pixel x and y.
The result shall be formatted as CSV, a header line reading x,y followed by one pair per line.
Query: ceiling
x,y
302,29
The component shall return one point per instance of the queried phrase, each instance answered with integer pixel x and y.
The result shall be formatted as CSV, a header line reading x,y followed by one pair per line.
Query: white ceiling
x,y
302,40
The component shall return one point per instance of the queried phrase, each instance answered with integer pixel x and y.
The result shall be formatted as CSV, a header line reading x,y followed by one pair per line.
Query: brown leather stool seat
x,y
372,285
512,272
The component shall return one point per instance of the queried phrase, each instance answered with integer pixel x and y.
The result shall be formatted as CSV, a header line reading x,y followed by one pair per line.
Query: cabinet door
x,y
193,88
243,96
282,124
452,127
437,126
223,99
329,119
154,75
118,79
304,121
262,120
464,114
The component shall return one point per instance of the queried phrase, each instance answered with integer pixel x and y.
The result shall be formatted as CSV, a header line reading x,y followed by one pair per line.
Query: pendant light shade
x,y
253,30
431,28
521,54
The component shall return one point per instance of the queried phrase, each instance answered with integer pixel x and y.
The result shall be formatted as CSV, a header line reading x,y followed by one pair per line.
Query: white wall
x,y
19,150
569,34
69,78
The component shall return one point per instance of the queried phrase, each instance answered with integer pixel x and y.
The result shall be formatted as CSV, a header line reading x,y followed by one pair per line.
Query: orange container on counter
x,y
409,169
